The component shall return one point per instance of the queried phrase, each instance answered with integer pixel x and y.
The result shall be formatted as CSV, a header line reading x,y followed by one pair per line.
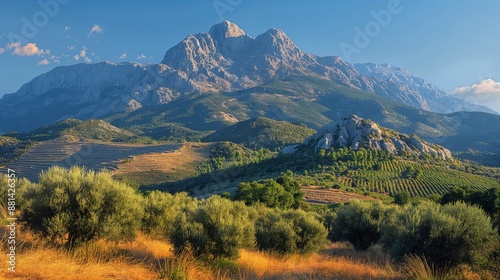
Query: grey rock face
x,y
355,132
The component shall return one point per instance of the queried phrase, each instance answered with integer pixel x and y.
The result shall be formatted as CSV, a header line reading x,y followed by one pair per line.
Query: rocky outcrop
x,y
355,132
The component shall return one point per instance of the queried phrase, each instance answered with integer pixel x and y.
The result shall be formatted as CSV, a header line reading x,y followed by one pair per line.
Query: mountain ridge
x,y
225,59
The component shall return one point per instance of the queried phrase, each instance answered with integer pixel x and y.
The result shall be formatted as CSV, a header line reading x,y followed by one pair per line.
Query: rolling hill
x,y
262,133
93,129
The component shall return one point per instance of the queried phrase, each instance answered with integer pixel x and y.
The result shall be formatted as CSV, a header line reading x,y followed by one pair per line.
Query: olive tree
x,y
78,205
291,231
161,209
446,236
359,223
217,227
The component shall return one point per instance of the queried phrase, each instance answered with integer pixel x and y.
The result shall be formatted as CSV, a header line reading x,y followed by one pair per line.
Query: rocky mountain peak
x,y
225,29
355,132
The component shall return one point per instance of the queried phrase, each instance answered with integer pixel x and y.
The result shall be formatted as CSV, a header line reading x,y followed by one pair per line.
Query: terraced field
x,y
432,179
154,168
91,155
318,195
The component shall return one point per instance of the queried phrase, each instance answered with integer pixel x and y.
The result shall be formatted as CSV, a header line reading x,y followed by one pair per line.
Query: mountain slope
x,y
262,133
93,129
225,59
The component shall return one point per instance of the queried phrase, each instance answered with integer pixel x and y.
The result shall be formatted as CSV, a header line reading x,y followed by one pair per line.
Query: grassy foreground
x,y
149,258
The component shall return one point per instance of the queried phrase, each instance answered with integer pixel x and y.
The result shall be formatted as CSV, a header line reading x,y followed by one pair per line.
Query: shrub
x,y
21,187
161,210
274,233
216,228
311,232
81,205
358,223
446,236
292,231
402,198
284,193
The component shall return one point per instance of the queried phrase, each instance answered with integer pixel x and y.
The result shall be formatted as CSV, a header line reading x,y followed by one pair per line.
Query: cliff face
x,y
355,132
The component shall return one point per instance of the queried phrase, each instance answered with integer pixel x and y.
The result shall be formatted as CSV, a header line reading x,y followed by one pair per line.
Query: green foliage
x,y
283,193
225,155
169,132
488,200
93,129
216,228
11,149
21,186
262,133
291,231
81,205
447,235
402,198
359,223
162,209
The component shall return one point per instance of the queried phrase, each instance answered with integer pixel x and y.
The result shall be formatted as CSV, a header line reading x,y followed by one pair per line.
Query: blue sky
x,y
449,43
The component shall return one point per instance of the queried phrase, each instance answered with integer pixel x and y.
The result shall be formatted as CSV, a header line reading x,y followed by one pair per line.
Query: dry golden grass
x,y
149,258
169,162
165,167
332,263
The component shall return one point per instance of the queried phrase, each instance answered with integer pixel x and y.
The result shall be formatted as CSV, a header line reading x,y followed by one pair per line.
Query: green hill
x,y
93,129
11,149
262,133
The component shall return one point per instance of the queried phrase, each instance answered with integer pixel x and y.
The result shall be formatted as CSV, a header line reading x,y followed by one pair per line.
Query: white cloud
x,y
67,28
30,49
486,92
95,29
82,54
69,47
87,60
141,56
43,62
123,56
2,50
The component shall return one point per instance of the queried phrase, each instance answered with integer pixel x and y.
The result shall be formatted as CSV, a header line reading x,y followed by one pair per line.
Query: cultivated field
x,y
154,167
91,155
318,195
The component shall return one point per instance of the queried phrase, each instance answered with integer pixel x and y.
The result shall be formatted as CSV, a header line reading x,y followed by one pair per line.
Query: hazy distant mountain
x,y
225,59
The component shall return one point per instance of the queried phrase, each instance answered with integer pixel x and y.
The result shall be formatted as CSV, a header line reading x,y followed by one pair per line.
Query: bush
x,y
161,210
292,231
81,205
272,232
284,193
402,198
446,236
358,223
21,187
311,232
216,228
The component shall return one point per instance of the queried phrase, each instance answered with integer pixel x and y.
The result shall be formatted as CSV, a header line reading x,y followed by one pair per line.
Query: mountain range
x,y
215,79
225,59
